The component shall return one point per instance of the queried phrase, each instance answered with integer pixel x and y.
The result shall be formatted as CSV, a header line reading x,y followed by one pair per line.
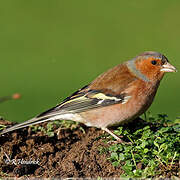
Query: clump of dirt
x,y
72,154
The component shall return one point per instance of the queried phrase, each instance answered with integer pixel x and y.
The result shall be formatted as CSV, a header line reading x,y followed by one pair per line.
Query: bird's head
x,y
153,65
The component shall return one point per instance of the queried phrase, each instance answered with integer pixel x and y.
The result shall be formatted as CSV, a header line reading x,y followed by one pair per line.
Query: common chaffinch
x,y
119,95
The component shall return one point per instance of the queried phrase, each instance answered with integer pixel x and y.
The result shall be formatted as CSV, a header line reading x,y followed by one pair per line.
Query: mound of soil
x,y
71,154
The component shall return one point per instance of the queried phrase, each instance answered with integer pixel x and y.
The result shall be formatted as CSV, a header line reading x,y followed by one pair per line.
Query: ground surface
x,y
72,154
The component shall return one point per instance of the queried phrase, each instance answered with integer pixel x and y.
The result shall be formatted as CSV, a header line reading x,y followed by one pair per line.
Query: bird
x,y
118,96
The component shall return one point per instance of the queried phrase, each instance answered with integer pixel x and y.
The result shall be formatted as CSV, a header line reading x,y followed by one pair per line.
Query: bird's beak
x,y
167,67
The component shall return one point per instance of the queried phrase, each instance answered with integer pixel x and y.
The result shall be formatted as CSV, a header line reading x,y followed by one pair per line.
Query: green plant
x,y
2,127
49,129
154,150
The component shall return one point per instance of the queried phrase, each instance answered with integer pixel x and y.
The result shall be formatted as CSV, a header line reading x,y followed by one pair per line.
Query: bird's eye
x,y
154,62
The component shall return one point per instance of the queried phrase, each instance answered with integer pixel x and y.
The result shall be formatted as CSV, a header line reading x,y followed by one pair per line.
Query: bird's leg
x,y
112,134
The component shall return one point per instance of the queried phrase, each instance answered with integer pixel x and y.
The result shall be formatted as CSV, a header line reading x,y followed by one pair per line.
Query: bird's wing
x,y
83,101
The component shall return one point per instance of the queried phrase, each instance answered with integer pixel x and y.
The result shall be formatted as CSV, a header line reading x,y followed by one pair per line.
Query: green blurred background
x,y
48,49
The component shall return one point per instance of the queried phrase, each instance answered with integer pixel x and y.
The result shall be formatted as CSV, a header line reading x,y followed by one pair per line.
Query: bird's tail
x,y
33,121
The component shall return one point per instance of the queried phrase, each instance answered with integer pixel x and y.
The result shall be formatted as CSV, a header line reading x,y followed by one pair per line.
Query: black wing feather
x,y
84,100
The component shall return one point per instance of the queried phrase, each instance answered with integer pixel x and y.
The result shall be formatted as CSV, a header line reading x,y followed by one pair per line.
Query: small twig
x,y
173,160
7,156
145,116
6,98
133,159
